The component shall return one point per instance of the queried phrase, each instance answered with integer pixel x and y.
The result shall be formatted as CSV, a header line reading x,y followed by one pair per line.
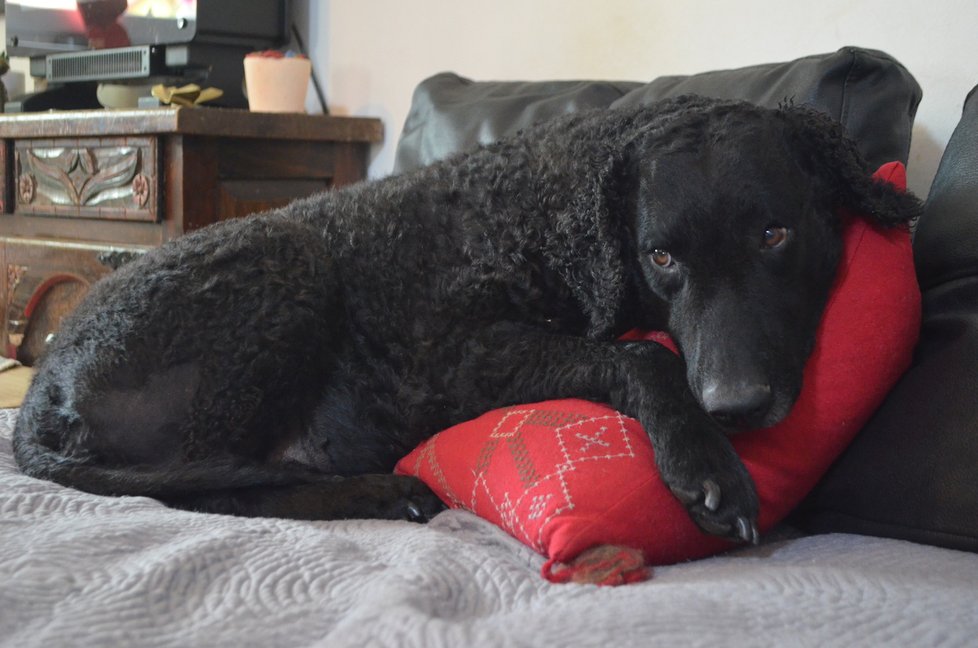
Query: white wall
x,y
371,53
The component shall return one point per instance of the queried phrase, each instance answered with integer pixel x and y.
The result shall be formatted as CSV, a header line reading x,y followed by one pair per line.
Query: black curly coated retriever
x,y
279,365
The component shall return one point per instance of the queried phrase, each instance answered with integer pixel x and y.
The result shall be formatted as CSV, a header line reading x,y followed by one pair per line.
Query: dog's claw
x,y
422,510
747,531
415,514
684,495
743,529
713,527
712,495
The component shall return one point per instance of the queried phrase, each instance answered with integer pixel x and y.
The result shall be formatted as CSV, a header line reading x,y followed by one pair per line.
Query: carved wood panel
x,y
44,281
112,178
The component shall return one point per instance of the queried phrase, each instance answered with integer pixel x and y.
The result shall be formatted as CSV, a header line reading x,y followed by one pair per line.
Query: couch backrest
x,y
870,92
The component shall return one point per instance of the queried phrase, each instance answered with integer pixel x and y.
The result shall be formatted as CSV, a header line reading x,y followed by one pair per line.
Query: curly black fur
x,y
282,363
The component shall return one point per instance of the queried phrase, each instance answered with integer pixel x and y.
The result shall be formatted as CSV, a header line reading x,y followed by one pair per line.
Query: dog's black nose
x,y
733,405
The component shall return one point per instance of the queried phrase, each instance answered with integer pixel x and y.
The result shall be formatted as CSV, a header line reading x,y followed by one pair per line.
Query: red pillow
x,y
566,476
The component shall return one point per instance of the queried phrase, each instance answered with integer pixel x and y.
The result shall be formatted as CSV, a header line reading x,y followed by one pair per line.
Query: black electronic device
x,y
77,44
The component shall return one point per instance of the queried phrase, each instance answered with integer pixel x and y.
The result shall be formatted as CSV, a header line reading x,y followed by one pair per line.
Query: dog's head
x,y
737,230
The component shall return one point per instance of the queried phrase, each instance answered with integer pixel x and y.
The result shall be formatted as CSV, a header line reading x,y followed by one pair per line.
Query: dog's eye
x,y
775,236
661,258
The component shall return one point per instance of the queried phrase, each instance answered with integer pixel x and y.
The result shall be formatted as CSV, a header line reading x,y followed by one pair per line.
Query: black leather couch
x,y
910,473
871,93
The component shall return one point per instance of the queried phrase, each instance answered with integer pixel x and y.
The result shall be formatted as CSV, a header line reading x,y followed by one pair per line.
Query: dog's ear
x,y
834,157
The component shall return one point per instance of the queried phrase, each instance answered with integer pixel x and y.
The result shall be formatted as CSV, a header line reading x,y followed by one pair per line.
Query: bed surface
x,y
83,570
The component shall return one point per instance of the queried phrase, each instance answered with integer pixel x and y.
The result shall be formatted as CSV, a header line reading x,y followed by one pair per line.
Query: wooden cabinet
x,y
83,191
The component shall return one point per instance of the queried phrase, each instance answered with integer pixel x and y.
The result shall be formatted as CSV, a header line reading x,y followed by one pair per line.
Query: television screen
x,y
75,44
36,27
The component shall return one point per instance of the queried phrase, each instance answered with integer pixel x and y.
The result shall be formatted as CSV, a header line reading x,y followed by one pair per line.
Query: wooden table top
x,y
214,122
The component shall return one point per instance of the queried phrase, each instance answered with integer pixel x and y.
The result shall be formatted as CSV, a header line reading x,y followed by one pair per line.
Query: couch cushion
x,y
911,472
871,93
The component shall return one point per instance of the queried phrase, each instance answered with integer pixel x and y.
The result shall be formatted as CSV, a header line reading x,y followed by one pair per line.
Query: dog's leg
x,y
388,497
118,461
640,379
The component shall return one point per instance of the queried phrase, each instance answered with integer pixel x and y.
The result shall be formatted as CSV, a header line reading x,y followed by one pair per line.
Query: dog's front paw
x,y
718,492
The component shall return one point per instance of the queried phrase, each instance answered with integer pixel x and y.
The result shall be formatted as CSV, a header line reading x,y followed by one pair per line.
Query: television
x,y
77,44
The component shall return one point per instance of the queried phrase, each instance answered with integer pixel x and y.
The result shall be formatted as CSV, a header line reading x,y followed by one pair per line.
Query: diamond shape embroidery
x,y
595,439
525,444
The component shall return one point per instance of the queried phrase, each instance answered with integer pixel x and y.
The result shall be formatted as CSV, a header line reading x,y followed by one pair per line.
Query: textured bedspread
x,y
83,570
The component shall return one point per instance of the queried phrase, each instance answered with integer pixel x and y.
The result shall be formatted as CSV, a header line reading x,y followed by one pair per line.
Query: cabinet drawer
x,y
114,178
46,280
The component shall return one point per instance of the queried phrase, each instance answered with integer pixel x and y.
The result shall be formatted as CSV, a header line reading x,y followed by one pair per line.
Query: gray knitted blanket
x,y
84,570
